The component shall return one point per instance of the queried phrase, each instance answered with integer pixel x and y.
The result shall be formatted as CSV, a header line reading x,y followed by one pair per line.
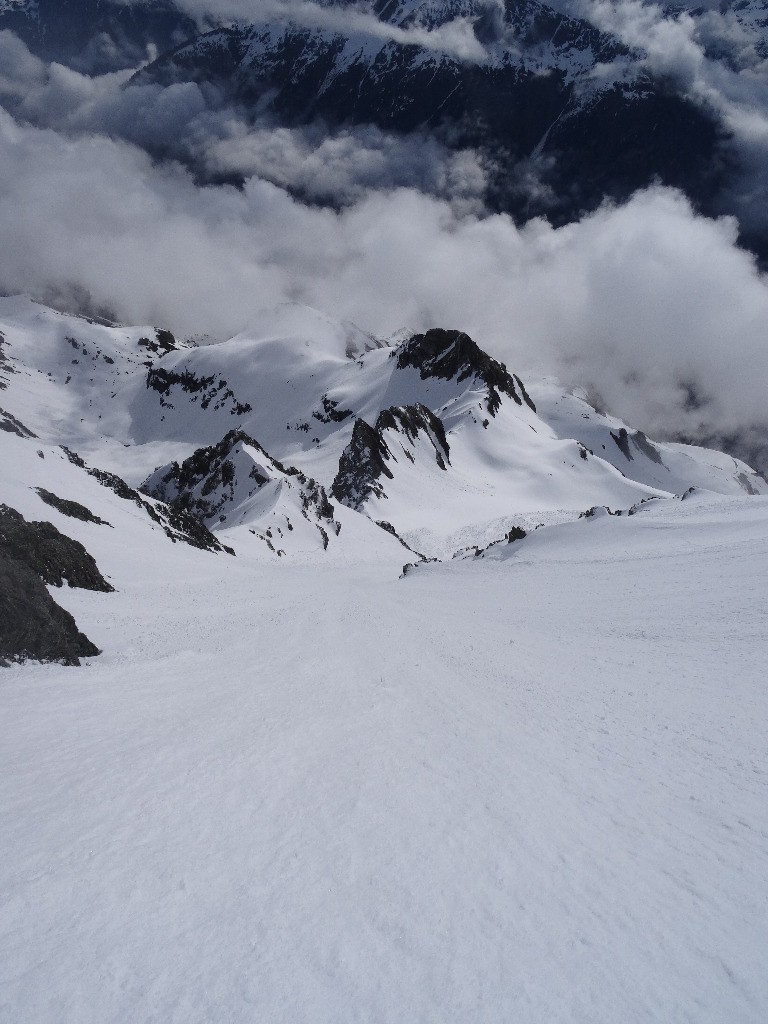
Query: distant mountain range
x,y
302,438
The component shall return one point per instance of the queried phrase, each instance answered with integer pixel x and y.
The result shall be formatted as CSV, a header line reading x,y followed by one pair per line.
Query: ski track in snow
x,y
528,787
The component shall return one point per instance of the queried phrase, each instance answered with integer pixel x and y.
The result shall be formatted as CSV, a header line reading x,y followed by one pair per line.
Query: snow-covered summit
x,y
427,433
237,484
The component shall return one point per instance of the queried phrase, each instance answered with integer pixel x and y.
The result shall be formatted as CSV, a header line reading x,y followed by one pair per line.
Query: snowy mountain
x,y
348,678
236,482
564,114
356,414
303,768
258,435
302,436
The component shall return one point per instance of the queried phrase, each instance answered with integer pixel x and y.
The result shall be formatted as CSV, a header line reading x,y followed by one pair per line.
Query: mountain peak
x,y
453,355
364,460
237,483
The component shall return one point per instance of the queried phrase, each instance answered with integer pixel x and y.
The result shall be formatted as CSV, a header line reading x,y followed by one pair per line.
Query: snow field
x,y
525,787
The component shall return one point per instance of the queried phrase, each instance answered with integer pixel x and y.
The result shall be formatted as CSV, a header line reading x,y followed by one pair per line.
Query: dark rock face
x,y
11,425
622,442
177,524
330,412
389,528
453,355
95,36
643,445
52,556
5,367
163,343
363,462
362,465
639,442
73,509
413,419
209,389
32,625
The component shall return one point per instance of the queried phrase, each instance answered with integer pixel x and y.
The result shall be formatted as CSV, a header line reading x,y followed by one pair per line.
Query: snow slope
x,y
528,785
525,787
303,387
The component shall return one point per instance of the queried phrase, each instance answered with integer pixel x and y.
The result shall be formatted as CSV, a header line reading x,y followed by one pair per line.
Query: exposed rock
x,y
210,389
389,528
73,509
163,343
363,462
453,355
746,483
648,449
622,442
5,365
597,512
640,442
214,481
205,482
11,425
177,524
54,557
32,625
330,412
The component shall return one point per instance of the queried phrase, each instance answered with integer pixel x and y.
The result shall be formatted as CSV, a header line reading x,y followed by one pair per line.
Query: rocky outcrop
x,y
362,465
205,483
640,442
217,484
213,391
177,524
73,509
32,625
54,557
364,462
453,355
11,425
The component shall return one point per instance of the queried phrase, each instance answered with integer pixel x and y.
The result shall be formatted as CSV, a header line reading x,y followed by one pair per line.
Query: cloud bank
x,y
647,302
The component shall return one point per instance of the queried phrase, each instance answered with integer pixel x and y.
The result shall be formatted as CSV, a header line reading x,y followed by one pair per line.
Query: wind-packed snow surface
x,y
299,784
530,786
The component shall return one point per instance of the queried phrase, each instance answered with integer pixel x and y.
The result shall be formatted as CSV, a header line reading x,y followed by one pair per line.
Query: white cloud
x,y
455,37
642,301
186,122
